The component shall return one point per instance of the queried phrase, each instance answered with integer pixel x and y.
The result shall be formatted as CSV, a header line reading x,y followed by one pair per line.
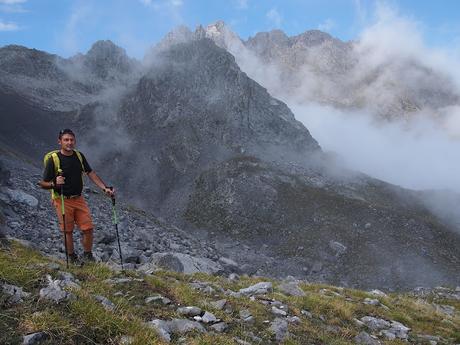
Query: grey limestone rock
x,y
219,305
34,338
185,263
189,311
365,339
181,326
278,312
106,303
162,328
291,289
54,291
279,327
338,247
16,294
219,327
257,289
158,299
371,301
375,324
208,318
22,197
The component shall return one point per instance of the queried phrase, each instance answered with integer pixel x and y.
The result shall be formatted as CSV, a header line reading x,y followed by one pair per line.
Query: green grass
x,y
85,321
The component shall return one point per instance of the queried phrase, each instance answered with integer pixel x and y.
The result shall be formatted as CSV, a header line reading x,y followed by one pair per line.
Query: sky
x,y
66,27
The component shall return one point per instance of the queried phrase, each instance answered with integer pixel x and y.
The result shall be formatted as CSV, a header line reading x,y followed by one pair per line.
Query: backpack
x,y
57,166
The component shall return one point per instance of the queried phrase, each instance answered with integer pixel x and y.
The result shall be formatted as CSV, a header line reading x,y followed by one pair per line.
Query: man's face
x,y
67,142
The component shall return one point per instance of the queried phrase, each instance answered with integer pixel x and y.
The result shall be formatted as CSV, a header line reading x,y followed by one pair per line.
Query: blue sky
x,y
65,27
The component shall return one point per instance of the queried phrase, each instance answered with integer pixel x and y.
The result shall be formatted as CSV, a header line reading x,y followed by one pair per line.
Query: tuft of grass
x,y
52,322
331,308
104,326
18,266
211,339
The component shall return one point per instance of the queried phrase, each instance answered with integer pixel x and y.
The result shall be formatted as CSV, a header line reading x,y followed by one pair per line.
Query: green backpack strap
x,y
80,158
57,165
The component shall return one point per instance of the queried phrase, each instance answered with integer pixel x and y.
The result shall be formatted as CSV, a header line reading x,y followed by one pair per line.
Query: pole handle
x,y
112,196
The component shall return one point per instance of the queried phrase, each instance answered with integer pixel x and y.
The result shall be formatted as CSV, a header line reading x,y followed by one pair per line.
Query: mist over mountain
x,y
188,135
316,67
386,92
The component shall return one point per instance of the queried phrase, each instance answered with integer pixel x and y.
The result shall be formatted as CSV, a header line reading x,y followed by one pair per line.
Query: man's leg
x,y
87,240
85,223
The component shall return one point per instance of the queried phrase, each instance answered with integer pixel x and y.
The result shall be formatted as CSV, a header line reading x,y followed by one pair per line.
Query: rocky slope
x,y
350,231
43,302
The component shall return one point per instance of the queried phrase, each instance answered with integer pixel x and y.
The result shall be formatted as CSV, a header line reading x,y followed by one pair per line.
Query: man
x,y
70,182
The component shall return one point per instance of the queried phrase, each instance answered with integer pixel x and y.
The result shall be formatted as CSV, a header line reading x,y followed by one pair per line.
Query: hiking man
x,y
67,178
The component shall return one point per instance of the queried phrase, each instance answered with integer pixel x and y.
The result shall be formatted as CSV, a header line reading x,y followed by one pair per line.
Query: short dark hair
x,y
65,131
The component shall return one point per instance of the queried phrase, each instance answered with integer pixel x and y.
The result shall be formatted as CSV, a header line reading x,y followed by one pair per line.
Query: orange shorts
x,y
76,212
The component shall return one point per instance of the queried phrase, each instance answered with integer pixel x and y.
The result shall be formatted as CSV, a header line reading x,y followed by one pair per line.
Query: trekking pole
x,y
63,221
115,222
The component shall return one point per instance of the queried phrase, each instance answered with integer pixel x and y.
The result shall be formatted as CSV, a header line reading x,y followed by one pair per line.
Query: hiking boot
x,y
88,257
74,259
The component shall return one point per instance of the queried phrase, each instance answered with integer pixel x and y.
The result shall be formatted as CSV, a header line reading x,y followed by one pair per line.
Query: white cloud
x,y
241,4
12,6
159,4
360,11
69,39
170,8
420,150
5,26
176,3
327,25
275,17
12,2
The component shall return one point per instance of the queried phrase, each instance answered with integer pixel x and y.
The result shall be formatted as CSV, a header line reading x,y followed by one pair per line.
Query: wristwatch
x,y
52,184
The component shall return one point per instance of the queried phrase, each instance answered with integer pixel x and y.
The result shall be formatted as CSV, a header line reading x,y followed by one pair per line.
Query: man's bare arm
x,y
46,185
98,182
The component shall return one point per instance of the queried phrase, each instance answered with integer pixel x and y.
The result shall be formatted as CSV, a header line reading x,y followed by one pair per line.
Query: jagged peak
x,y
218,32
277,36
313,37
105,48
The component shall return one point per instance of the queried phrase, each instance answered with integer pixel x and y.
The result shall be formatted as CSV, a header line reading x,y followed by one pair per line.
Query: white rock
x,y
257,289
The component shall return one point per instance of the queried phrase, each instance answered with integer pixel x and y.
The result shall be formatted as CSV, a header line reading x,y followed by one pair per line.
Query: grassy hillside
x,y
323,315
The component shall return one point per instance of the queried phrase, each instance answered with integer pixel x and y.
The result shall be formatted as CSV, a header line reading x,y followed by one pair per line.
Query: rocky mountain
x,y
191,138
41,92
316,67
58,84
201,110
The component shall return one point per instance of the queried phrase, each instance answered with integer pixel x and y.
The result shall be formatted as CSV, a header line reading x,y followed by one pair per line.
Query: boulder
x,y
18,196
106,303
365,339
15,293
291,289
189,311
257,289
185,263
34,338
279,327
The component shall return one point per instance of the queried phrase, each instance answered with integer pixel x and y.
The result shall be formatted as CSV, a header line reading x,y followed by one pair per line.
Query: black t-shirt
x,y
72,171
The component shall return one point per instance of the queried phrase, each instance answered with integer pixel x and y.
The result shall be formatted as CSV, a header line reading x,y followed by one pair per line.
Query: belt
x,y
72,196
